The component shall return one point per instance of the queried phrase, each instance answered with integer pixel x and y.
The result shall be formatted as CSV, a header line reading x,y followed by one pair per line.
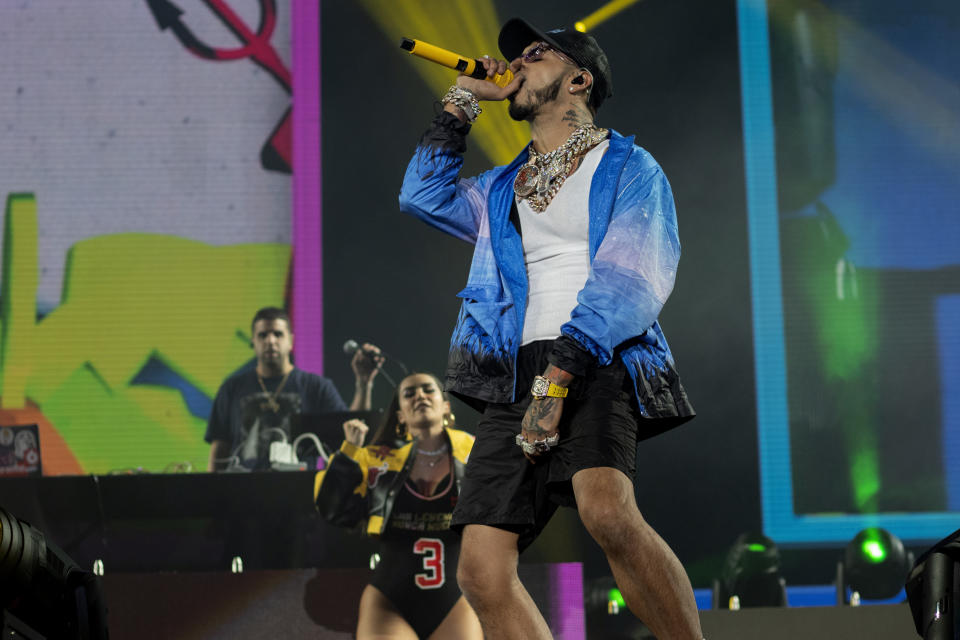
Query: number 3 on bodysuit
x,y
432,551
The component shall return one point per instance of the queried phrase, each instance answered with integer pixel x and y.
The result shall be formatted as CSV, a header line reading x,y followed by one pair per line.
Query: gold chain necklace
x,y
271,402
543,175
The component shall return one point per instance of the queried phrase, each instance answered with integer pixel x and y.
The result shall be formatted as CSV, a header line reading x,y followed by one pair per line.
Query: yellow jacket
x,y
362,482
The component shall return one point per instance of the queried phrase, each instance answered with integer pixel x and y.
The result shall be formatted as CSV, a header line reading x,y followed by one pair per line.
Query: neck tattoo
x,y
543,175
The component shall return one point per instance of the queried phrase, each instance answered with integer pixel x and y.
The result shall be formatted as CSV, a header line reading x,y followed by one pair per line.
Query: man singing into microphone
x,y
557,339
255,402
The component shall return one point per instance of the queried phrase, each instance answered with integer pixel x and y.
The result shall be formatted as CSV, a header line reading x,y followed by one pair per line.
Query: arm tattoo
x,y
538,410
557,376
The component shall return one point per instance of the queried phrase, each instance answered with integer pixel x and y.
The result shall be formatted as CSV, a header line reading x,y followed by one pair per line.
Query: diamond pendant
x,y
543,184
526,181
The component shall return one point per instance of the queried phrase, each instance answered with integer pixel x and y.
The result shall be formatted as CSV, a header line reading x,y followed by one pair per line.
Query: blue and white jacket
x,y
634,250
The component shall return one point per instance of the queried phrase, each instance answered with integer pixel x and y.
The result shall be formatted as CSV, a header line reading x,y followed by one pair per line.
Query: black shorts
x,y
598,428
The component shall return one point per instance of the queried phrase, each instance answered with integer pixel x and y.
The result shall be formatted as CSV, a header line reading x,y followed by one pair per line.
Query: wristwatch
x,y
543,388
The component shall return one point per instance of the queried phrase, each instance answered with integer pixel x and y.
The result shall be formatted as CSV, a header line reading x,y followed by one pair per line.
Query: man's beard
x,y
539,98
271,361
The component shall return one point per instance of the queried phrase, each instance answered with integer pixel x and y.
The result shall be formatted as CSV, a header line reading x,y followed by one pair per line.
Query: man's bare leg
x,y
650,577
487,575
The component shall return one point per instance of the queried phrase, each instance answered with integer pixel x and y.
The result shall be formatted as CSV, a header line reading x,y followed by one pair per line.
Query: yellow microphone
x,y
467,66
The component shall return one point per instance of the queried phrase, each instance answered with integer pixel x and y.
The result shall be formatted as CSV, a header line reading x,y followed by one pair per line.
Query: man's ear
x,y
583,80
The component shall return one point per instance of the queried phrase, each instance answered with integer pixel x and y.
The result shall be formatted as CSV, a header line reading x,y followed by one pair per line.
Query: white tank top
x,y
556,251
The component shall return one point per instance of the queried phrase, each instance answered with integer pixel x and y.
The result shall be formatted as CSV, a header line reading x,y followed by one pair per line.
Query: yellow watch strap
x,y
544,388
555,391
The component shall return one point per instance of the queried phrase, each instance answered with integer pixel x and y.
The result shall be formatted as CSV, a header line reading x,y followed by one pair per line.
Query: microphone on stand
x,y
350,347
467,66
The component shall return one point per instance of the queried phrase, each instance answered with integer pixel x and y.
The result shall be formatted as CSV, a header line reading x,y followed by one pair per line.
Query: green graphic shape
x,y
126,298
18,294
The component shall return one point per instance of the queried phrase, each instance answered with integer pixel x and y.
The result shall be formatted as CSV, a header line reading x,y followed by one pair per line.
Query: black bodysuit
x,y
418,557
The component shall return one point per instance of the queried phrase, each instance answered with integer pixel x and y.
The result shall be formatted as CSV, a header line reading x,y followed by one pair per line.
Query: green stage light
x,y
756,547
875,564
874,550
614,595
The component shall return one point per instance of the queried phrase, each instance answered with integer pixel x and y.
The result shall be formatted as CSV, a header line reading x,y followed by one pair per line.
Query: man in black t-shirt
x,y
255,404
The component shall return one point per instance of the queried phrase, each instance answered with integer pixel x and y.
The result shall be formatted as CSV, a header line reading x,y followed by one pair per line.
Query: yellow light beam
x,y
603,14
469,27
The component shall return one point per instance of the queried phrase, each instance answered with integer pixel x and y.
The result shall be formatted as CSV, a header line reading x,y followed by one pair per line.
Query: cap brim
x,y
517,34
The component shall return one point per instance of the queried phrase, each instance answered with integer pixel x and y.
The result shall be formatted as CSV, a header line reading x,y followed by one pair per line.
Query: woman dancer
x,y
404,487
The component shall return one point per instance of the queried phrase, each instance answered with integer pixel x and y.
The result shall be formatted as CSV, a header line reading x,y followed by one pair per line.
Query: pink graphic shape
x,y
306,227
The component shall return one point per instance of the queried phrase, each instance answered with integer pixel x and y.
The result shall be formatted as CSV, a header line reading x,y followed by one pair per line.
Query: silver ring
x,y
537,447
527,447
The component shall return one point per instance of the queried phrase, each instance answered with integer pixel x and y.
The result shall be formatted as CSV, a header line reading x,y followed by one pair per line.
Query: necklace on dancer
x,y
271,402
543,175
434,454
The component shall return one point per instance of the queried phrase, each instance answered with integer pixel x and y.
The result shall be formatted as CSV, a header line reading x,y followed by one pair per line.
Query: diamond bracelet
x,y
465,100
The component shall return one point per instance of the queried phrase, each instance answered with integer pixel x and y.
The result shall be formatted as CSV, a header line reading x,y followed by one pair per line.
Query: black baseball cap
x,y
517,34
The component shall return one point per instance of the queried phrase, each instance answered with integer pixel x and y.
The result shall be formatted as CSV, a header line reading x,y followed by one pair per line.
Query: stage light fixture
x,y
874,566
933,588
42,589
751,575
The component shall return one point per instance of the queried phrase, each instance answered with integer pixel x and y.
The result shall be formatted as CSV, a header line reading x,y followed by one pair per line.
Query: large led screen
x,y
145,171
851,127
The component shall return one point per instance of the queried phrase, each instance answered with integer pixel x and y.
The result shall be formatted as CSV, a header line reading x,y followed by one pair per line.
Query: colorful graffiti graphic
x,y
120,375
144,224
276,152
